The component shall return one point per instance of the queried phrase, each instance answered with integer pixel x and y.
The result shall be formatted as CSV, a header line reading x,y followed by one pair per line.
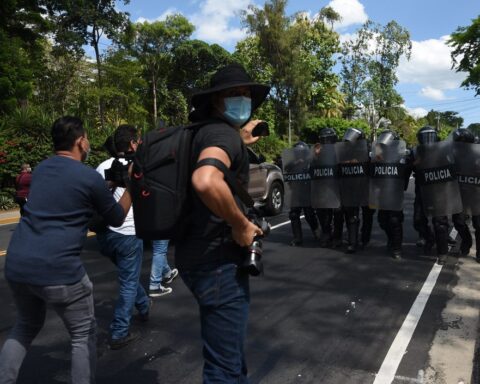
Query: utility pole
x,y
438,122
289,128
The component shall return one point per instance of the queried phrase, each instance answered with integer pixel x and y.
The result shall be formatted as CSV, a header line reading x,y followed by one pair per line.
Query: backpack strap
x,y
229,178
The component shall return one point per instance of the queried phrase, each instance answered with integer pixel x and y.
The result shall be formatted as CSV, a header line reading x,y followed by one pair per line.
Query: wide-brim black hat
x,y
231,76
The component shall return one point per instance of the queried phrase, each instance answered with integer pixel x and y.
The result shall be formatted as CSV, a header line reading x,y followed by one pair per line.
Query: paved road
x,y
317,316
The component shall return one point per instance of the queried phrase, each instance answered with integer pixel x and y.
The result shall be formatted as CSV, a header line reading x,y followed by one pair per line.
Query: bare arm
x,y
209,183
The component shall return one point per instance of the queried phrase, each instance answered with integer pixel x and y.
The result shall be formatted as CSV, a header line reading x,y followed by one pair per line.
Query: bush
x,y
6,202
315,124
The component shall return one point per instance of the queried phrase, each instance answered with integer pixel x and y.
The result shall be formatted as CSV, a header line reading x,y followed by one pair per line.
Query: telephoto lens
x,y
253,263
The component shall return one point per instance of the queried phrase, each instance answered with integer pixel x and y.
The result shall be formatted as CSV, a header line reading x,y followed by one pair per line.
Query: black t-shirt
x,y
208,238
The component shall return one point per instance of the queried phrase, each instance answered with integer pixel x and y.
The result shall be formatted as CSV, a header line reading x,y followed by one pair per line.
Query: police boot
x,y
297,233
466,243
325,240
352,229
441,259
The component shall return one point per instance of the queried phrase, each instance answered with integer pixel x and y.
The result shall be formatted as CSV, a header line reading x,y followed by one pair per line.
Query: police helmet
x,y
427,135
464,135
300,145
353,134
327,136
386,137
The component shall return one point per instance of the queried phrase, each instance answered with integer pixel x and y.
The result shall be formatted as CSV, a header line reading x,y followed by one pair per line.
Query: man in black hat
x,y
210,257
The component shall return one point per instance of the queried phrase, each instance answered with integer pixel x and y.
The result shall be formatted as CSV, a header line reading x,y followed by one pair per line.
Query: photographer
x,y
214,248
121,245
43,265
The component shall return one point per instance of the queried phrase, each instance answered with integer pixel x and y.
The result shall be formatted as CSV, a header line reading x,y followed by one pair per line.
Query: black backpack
x,y
161,182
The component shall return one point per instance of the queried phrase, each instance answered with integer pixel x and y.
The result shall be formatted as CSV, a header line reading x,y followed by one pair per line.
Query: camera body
x,y
253,261
118,172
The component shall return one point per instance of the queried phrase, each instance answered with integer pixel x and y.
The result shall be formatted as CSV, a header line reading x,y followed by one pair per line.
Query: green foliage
x,y
466,53
315,124
6,202
299,53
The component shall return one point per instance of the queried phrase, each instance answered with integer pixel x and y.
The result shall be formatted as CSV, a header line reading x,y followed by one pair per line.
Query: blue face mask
x,y
238,110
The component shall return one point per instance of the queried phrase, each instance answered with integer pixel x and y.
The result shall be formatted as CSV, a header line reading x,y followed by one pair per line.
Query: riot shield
x,y
323,169
296,175
467,161
435,173
353,173
387,176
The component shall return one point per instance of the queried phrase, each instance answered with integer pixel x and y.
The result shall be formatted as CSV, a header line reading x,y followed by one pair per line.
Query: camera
x,y
253,262
118,172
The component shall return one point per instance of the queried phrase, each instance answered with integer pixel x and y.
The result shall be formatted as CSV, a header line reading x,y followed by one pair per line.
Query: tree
x,y
376,52
299,53
193,63
22,29
153,45
84,22
466,53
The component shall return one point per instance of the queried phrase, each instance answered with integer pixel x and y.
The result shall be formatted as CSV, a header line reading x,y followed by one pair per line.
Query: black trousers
x,y
392,223
325,217
294,216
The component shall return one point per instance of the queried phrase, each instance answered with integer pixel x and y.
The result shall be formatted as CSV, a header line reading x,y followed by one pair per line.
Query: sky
x,y
426,81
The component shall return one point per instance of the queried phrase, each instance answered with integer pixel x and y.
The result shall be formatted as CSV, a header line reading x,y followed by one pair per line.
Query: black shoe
x,y
296,243
124,341
420,242
442,259
325,240
337,243
427,249
351,249
397,255
144,317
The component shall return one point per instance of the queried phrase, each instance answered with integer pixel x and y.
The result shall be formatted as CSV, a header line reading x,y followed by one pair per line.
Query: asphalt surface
x,y
317,316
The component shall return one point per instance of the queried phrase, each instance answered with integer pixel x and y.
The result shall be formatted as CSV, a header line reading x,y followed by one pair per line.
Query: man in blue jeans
x,y
43,266
210,256
160,273
126,251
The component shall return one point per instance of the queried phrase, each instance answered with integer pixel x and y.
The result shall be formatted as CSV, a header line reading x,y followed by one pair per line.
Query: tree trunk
x,y
101,105
154,95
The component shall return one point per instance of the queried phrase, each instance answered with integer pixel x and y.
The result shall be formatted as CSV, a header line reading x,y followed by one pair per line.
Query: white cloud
x,y
351,11
416,112
433,93
430,66
163,16
212,21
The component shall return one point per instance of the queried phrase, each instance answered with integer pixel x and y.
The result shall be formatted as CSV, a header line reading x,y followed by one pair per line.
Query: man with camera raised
x,y
211,255
120,244
43,265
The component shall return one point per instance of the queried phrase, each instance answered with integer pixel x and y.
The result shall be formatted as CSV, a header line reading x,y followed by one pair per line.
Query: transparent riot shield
x,y
296,175
387,176
467,161
435,173
353,173
323,169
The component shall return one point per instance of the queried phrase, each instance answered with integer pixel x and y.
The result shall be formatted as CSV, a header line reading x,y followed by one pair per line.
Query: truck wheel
x,y
274,203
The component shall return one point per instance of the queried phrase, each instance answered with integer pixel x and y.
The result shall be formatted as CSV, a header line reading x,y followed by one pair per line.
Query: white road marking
x,y
389,367
282,224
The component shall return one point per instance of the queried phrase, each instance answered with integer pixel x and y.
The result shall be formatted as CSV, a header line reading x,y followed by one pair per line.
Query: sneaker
x,y
124,341
160,291
173,274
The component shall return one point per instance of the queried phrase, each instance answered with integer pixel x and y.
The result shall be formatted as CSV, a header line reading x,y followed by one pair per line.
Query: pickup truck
x,y
266,184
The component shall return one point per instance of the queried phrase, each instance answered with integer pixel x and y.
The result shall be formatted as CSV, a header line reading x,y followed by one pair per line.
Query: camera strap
x,y
232,182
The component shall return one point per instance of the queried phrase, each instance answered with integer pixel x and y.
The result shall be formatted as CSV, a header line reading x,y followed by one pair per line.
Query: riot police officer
x,y
388,180
325,192
436,191
467,155
353,179
296,168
